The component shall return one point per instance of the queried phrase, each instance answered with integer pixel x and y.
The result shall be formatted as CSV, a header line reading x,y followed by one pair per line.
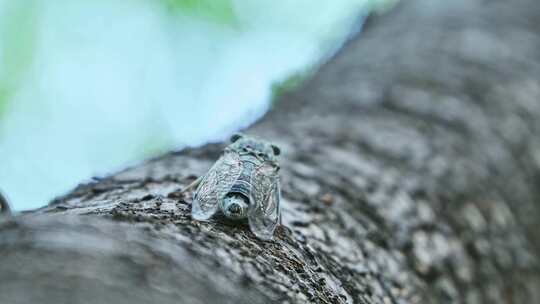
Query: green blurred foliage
x,y
296,79
219,11
18,27
4,96
155,144
44,92
289,84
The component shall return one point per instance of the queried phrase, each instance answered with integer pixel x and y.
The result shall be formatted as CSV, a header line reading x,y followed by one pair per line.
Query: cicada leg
x,y
191,187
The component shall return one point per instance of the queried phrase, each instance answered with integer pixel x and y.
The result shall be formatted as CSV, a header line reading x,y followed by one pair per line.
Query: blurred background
x,y
89,87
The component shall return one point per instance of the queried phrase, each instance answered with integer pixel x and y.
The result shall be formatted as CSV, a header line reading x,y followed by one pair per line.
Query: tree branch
x,y
409,174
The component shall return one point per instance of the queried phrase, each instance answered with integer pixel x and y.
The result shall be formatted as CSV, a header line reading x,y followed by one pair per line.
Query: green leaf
x,y
219,11
290,83
18,27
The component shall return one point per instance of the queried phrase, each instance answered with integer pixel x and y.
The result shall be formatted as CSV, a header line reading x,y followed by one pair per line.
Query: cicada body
x,y
242,184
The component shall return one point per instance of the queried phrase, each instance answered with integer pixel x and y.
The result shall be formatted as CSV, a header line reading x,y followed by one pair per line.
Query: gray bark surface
x,y
410,174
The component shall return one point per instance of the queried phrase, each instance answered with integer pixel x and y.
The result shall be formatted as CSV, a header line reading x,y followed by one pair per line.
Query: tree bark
x,y
410,174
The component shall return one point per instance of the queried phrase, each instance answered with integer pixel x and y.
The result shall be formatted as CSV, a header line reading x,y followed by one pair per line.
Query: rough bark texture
x,y
410,173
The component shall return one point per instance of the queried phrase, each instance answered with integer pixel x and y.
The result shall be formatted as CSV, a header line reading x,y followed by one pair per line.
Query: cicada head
x,y
249,146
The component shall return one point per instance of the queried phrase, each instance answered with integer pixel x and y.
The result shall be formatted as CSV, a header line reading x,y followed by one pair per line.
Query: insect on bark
x,y
242,184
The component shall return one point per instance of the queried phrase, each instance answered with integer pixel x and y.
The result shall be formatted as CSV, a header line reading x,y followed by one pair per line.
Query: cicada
x,y
242,184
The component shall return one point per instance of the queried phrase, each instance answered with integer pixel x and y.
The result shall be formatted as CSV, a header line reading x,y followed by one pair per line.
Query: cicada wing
x,y
264,214
214,185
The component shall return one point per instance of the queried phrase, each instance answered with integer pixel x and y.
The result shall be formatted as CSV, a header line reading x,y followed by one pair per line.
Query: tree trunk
x,y
410,174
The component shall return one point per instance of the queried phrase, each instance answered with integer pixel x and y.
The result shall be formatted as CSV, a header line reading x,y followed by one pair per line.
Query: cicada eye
x,y
276,149
236,137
